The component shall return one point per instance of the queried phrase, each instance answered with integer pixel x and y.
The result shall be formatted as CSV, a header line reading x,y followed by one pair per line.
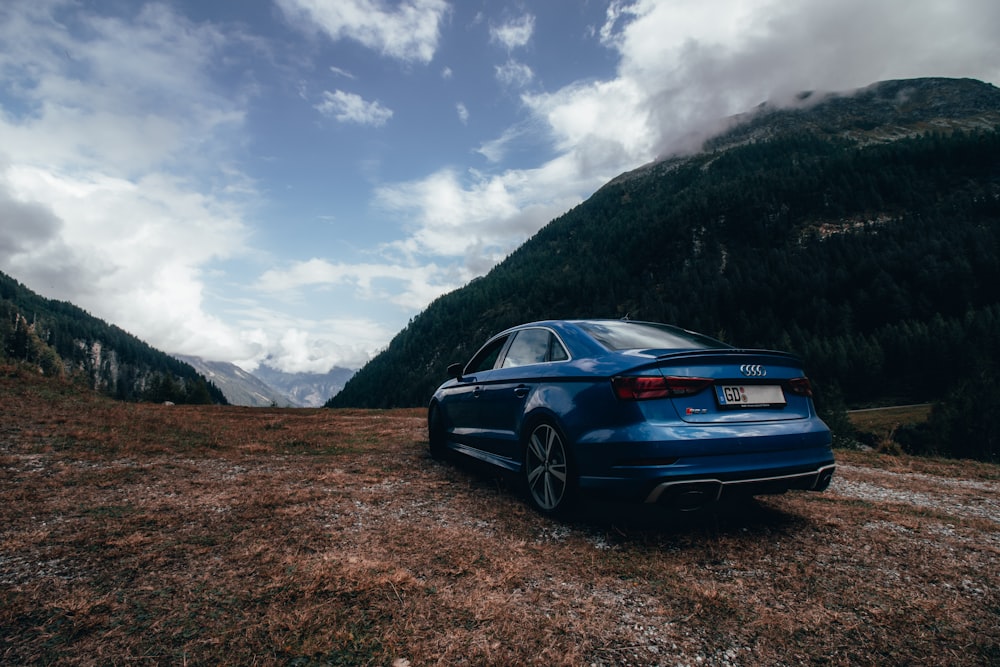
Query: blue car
x,y
633,411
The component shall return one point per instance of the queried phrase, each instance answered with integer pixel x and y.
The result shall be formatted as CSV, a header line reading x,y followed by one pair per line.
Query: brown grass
x,y
146,534
882,423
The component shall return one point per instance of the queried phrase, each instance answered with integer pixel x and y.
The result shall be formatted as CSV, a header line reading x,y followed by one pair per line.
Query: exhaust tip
x,y
691,496
823,479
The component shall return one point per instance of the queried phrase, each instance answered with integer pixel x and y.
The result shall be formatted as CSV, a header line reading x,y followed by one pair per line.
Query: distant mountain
x,y
860,231
306,389
267,386
62,339
239,386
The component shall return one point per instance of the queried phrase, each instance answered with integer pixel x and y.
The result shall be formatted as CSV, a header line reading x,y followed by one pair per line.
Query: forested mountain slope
x,y
860,232
62,339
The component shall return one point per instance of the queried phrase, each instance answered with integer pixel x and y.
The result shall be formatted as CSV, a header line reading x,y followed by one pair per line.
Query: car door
x,y
461,402
501,401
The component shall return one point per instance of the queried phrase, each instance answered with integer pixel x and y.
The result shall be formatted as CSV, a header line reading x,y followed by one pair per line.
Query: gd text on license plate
x,y
749,395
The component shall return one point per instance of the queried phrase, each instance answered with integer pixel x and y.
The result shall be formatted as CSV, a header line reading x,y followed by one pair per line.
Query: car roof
x,y
574,332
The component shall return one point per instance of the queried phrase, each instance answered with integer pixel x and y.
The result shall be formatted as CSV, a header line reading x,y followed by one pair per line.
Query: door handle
x,y
521,390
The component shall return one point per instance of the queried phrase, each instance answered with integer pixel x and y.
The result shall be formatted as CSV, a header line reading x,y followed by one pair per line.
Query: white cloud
x,y
616,9
407,286
514,74
514,138
132,95
107,110
608,116
699,62
515,33
409,31
463,113
684,67
352,108
342,72
131,251
306,344
310,346
480,218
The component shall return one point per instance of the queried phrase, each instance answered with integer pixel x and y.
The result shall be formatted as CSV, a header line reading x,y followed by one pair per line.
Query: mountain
x,y
267,386
61,339
306,389
882,112
860,231
239,386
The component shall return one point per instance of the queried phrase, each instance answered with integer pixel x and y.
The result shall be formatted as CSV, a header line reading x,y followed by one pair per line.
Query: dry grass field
x,y
136,534
882,423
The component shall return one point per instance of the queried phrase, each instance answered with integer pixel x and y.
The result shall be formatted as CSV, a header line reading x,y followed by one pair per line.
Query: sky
x,y
289,182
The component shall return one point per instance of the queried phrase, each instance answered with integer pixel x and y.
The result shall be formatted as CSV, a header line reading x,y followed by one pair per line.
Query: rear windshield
x,y
625,335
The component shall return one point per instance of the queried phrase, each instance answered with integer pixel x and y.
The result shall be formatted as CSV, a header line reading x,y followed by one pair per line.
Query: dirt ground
x,y
136,534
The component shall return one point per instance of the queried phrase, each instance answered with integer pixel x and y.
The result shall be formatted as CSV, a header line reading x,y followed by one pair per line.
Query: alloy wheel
x,y
546,469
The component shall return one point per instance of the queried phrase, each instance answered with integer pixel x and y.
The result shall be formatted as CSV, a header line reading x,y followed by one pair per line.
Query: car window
x,y
624,335
556,351
486,358
534,346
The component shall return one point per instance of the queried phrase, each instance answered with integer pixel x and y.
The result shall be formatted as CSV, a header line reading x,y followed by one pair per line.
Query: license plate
x,y
749,395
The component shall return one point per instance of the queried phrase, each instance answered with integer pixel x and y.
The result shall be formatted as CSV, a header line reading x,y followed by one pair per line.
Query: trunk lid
x,y
746,386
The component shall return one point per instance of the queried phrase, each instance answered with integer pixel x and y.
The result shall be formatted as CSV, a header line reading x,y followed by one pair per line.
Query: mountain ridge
x,y
267,386
881,112
305,389
239,386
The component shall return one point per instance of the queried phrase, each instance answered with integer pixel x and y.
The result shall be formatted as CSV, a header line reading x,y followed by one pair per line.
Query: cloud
x,y
352,108
697,62
616,9
463,113
26,225
515,33
683,68
342,72
132,251
409,31
108,91
477,217
407,286
99,115
495,150
514,74
308,345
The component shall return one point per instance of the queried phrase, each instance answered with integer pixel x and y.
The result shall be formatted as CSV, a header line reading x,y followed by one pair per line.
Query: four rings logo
x,y
753,370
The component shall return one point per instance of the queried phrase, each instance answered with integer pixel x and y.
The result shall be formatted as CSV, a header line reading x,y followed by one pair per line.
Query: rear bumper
x,y
710,490
692,463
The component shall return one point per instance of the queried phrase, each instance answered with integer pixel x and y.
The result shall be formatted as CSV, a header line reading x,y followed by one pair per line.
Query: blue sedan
x,y
635,411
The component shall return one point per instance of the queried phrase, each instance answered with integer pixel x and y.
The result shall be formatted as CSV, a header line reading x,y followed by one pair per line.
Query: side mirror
x,y
455,371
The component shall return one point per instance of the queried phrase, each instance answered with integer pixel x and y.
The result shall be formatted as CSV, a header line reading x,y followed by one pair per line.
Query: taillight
x,y
640,387
800,386
644,387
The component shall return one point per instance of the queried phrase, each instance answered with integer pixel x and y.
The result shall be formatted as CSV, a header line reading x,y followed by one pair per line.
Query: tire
x,y
436,434
547,472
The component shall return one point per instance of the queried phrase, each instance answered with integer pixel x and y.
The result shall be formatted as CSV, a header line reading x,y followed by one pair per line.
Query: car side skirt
x,y
487,457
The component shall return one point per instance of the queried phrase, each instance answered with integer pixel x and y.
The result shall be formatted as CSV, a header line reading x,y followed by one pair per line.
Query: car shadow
x,y
628,522
636,521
